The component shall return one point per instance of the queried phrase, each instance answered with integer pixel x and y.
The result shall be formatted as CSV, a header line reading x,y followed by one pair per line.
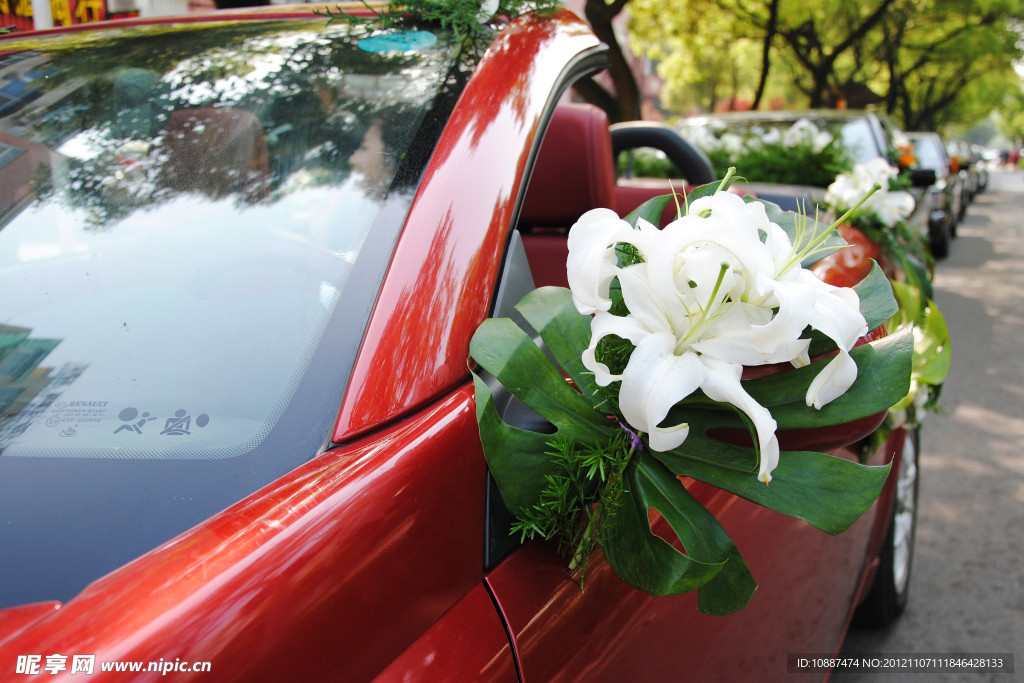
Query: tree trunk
x,y
766,48
624,103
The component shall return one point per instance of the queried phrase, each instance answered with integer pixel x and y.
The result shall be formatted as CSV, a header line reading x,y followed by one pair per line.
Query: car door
x,y
807,579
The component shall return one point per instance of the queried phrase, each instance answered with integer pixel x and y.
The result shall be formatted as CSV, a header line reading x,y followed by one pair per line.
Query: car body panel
x,y
468,643
282,583
948,192
611,630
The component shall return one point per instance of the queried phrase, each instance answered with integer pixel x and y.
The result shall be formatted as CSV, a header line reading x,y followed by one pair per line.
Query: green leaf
x,y
566,333
646,561
934,354
702,536
516,457
652,209
708,189
508,353
917,274
877,303
828,492
883,377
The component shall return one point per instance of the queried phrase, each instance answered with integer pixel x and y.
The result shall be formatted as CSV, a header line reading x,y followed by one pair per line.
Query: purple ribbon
x,y
636,443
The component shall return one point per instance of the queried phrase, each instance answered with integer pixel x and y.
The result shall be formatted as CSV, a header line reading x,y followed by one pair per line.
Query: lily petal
x,y
655,379
836,312
795,300
722,383
833,381
591,265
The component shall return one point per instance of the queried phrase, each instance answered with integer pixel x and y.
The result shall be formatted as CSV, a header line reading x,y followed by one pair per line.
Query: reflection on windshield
x,y
180,212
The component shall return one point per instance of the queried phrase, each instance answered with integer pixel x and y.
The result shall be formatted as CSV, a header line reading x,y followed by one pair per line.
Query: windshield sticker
x,y
129,415
405,41
66,413
180,423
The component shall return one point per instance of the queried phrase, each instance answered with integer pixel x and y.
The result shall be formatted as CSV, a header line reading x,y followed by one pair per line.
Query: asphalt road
x,y
967,583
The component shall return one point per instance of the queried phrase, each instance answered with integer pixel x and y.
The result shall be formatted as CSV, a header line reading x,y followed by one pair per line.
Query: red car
x,y
241,260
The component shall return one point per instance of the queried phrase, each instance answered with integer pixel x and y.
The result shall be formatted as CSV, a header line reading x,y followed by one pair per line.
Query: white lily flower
x,y
589,240
487,10
832,382
719,288
849,188
772,137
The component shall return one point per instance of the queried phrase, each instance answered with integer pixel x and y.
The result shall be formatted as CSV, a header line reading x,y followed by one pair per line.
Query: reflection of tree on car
x,y
154,125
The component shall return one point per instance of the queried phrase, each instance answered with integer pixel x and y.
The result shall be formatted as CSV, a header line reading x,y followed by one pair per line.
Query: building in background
x,y
26,15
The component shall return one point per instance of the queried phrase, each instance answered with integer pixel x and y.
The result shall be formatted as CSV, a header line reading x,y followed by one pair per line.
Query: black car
x,y
947,195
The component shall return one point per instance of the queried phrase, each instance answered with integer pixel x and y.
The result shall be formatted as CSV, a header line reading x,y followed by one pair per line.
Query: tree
x,y
929,61
705,56
948,60
815,39
1011,116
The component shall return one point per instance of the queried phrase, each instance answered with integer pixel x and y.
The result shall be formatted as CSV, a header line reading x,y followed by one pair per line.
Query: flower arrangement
x,y
882,221
654,336
801,154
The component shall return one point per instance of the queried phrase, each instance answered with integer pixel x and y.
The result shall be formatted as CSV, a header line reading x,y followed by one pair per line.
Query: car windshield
x,y
928,151
188,213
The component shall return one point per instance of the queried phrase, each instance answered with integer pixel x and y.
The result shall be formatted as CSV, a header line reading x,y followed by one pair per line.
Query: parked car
x,y
947,194
964,161
239,274
979,168
865,135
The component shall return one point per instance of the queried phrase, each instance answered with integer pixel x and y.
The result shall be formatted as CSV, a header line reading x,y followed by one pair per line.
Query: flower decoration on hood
x,y
890,207
798,154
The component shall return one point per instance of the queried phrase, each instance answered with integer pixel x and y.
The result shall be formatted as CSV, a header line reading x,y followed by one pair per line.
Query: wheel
x,y
939,238
887,597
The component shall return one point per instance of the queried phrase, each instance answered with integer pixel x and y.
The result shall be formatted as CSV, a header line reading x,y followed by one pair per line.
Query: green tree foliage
x,y
818,40
706,56
949,60
929,61
1011,115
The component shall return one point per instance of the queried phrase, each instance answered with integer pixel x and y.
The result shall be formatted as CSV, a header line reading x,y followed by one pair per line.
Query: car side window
x,y
515,282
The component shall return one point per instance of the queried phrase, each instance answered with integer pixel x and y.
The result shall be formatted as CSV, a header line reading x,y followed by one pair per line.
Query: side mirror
x,y
922,177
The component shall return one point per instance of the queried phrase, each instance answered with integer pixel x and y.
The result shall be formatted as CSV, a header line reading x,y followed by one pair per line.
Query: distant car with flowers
x,y
968,161
246,382
807,149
